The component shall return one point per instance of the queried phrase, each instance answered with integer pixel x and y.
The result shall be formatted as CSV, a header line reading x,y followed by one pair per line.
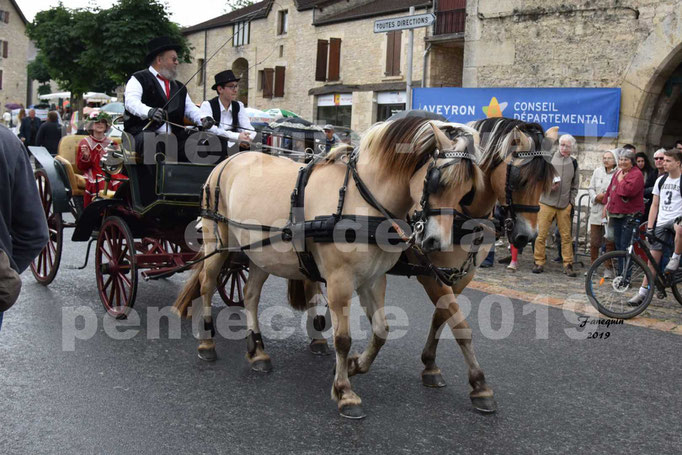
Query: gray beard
x,y
169,74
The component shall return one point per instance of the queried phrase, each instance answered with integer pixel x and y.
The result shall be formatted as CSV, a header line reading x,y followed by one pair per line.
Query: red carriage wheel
x,y
115,267
231,284
45,266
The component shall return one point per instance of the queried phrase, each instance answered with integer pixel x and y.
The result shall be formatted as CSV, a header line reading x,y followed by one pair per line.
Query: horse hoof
x,y
208,355
485,405
433,380
262,366
352,411
320,348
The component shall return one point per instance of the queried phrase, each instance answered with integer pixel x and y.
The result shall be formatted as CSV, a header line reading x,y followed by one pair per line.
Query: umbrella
x,y
286,125
279,113
418,113
258,116
12,106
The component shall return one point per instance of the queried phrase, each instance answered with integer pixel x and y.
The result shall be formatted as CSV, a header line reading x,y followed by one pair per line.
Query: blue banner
x,y
589,112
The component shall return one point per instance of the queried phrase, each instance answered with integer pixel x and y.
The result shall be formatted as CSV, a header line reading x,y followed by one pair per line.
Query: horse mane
x,y
402,146
496,145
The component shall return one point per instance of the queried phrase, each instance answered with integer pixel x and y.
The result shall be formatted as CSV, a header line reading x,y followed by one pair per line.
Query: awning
x,y
56,95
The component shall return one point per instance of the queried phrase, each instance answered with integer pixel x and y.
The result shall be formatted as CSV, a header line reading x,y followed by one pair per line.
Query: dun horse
x,y
392,161
516,163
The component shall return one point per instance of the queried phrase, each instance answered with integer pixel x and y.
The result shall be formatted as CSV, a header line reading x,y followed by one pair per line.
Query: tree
x,y
232,5
98,50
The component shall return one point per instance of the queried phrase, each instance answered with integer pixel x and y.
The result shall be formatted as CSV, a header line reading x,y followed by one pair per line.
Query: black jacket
x,y
23,229
152,96
49,135
29,129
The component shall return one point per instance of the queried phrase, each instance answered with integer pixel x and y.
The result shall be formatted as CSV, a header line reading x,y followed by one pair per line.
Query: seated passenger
x,y
90,151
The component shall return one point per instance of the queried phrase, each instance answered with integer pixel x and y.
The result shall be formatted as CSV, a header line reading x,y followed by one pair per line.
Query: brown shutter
x,y
4,49
268,79
321,69
390,39
279,80
334,59
0,79
396,52
7,17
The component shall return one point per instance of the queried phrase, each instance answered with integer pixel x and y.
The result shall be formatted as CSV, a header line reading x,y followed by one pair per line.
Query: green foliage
x,y
232,5
44,89
38,69
98,50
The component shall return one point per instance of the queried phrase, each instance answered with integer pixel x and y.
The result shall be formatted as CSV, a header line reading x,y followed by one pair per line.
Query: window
x,y
282,22
261,78
279,80
241,32
281,50
0,79
393,53
4,49
200,78
4,16
331,73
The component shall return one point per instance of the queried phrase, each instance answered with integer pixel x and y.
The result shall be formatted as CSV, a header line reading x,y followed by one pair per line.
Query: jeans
x,y
621,231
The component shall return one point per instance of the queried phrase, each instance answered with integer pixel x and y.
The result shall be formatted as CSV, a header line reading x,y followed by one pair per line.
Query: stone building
x,y
13,54
634,45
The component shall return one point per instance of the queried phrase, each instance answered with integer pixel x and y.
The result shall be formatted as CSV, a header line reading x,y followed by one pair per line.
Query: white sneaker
x,y
513,266
608,274
636,300
673,264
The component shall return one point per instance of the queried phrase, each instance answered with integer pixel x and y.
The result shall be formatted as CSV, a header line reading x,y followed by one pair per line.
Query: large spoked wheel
x,y
231,283
613,280
115,267
46,265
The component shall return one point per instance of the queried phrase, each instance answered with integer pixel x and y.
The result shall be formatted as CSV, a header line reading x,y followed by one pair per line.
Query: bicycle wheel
x,y
676,285
610,295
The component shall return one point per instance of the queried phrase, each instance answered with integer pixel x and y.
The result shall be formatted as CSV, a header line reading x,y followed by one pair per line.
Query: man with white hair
x,y
557,204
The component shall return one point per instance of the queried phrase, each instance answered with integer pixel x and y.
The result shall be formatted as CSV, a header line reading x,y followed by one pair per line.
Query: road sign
x,y
405,22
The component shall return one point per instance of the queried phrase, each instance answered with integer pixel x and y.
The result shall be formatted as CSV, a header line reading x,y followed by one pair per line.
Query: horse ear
x,y
520,140
552,134
442,140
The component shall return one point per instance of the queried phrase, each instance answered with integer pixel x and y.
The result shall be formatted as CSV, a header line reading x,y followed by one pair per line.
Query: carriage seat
x,y
66,155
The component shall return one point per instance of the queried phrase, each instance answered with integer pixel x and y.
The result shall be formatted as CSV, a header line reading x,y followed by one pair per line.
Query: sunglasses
x,y
658,158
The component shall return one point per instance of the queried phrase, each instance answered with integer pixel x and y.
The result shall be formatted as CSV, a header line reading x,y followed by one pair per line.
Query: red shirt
x,y
627,196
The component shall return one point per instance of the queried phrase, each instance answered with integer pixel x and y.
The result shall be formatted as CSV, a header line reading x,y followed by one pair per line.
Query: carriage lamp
x,y
112,159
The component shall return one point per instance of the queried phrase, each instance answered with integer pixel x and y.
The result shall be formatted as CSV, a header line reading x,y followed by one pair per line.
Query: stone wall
x,y
585,43
14,78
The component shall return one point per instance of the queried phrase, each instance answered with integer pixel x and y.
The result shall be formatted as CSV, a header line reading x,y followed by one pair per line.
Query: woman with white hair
x,y
601,179
624,198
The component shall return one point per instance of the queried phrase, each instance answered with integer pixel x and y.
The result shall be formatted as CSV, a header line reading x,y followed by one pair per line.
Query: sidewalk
x,y
555,289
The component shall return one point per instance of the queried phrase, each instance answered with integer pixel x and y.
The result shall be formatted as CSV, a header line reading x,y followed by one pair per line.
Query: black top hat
x,y
224,77
159,45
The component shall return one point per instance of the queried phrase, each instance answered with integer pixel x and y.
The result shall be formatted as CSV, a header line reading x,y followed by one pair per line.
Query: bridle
x,y
510,209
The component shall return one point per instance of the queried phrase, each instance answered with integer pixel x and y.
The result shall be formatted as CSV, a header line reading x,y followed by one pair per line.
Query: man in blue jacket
x,y
28,130
23,228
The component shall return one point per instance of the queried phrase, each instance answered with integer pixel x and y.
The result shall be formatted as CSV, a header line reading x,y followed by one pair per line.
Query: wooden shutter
x,y
6,17
268,79
334,59
393,53
321,69
4,49
397,47
0,79
279,80
390,38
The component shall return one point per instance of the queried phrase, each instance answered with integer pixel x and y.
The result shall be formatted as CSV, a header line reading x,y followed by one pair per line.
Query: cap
x,y
328,126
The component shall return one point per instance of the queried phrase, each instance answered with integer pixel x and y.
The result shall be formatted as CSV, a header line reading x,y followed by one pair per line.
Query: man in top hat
x,y
148,92
232,121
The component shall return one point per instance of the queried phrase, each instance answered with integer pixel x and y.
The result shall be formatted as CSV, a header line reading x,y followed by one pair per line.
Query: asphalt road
x,y
557,392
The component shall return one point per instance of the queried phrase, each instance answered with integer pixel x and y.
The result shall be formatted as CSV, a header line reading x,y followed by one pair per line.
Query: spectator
x,y
50,133
29,128
601,178
650,175
23,229
630,147
557,203
624,198
666,208
678,145
329,136
7,119
658,164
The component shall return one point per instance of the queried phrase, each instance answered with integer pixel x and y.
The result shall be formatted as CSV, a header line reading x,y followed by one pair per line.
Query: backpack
x,y
662,181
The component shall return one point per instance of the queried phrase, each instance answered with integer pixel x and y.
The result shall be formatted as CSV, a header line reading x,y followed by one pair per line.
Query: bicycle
x,y
610,295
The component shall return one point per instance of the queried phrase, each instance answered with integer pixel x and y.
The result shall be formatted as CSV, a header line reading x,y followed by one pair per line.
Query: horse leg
x,y
447,310
314,297
372,301
208,277
340,291
255,354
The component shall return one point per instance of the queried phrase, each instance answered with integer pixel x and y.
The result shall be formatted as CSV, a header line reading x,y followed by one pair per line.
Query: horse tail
x,y
191,290
296,295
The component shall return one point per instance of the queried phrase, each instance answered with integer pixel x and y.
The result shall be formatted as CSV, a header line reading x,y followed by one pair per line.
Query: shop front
x,y
335,108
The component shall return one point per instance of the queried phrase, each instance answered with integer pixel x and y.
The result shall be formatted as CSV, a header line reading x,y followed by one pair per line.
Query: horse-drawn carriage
x,y
145,227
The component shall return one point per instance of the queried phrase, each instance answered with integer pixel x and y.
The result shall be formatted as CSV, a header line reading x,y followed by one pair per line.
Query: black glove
x,y
157,114
207,123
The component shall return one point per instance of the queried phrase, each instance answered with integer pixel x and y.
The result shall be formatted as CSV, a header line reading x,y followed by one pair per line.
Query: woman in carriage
x,y
90,151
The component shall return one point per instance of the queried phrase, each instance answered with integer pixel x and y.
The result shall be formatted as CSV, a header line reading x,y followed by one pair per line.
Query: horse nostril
x,y
520,241
430,244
